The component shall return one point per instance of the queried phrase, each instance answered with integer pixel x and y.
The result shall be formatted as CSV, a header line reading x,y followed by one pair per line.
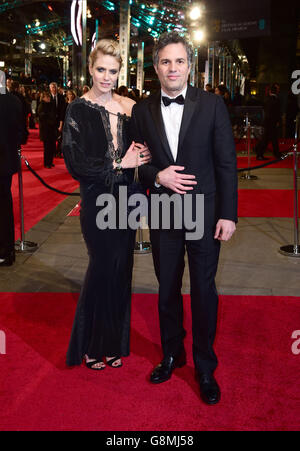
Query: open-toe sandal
x,y
91,364
113,360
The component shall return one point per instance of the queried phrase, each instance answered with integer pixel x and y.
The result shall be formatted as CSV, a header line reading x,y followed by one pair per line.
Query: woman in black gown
x,y
95,143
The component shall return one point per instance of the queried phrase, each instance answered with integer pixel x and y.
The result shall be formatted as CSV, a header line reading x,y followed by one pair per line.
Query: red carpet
x,y
258,372
263,203
38,200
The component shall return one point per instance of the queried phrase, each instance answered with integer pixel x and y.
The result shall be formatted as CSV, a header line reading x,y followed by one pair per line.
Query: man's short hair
x,y
172,38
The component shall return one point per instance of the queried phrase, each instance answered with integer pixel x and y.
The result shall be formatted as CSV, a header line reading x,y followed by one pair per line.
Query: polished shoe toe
x,y
8,260
261,158
164,370
209,389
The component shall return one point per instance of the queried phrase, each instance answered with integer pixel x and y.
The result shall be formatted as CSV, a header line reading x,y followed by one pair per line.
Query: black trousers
x,y
270,134
7,228
168,250
49,151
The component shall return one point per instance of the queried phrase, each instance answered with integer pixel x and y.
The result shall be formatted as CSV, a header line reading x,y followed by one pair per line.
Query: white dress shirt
x,y
172,117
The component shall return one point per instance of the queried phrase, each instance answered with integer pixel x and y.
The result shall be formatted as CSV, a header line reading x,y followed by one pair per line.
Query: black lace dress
x,y
102,321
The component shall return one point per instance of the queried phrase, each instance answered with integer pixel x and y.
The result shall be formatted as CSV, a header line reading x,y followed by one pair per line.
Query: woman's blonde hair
x,y
106,47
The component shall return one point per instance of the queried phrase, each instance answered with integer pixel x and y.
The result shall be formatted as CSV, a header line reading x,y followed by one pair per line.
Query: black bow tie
x,y
167,101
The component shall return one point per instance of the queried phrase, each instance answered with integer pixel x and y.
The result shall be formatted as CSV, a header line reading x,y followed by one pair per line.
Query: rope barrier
x,y
283,157
46,184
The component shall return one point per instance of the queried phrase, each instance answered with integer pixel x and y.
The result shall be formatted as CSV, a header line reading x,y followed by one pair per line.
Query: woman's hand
x,y
136,155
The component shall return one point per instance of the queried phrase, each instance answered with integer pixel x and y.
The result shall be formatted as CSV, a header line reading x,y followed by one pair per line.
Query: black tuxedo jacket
x,y
60,108
11,133
206,147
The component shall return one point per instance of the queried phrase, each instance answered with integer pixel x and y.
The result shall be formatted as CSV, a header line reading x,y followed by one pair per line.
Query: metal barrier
x,y
22,245
144,247
293,250
248,176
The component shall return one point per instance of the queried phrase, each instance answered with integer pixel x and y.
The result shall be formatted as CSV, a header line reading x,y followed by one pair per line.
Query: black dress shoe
x,y
261,157
7,260
164,370
209,390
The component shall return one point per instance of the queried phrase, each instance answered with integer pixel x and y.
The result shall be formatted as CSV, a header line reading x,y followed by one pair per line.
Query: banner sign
x,y
237,19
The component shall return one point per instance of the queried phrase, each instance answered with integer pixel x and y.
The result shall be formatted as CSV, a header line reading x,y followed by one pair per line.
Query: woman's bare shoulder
x,y
127,105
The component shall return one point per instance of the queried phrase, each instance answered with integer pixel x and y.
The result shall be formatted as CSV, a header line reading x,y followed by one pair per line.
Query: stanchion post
x,y
141,246
248,176
22,245
293,250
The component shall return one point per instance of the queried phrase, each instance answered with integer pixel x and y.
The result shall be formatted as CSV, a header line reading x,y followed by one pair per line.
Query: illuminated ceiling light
x,y
79,17
14,41
43,46
198,35
37,23
73,22
195,13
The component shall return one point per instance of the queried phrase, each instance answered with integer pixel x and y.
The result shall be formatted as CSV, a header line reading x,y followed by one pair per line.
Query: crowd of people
x,y
46,107
39,106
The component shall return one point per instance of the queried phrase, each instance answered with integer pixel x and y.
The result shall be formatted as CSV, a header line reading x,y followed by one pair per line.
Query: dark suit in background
x,y
48,130
206,149
11,135
59,104
272,118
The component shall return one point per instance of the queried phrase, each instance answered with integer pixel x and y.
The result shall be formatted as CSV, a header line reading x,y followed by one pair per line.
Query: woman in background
x,y
48,128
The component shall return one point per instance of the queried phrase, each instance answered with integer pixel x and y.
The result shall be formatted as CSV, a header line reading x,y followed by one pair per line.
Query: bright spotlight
x,y
195,13
198,35
42,46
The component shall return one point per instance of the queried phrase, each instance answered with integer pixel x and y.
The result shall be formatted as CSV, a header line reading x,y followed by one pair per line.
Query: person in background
x,y
70,96
238,99
271,124
33,108
290,115
209,88
11,137
48,128
60,109
85,89
123,91
15,90
9,82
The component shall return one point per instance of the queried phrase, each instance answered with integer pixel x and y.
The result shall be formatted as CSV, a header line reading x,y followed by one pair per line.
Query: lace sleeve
x,y
84,156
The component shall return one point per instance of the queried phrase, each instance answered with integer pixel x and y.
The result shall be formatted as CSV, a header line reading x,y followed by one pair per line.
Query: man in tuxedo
x,y
189,134
59,103
11,136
